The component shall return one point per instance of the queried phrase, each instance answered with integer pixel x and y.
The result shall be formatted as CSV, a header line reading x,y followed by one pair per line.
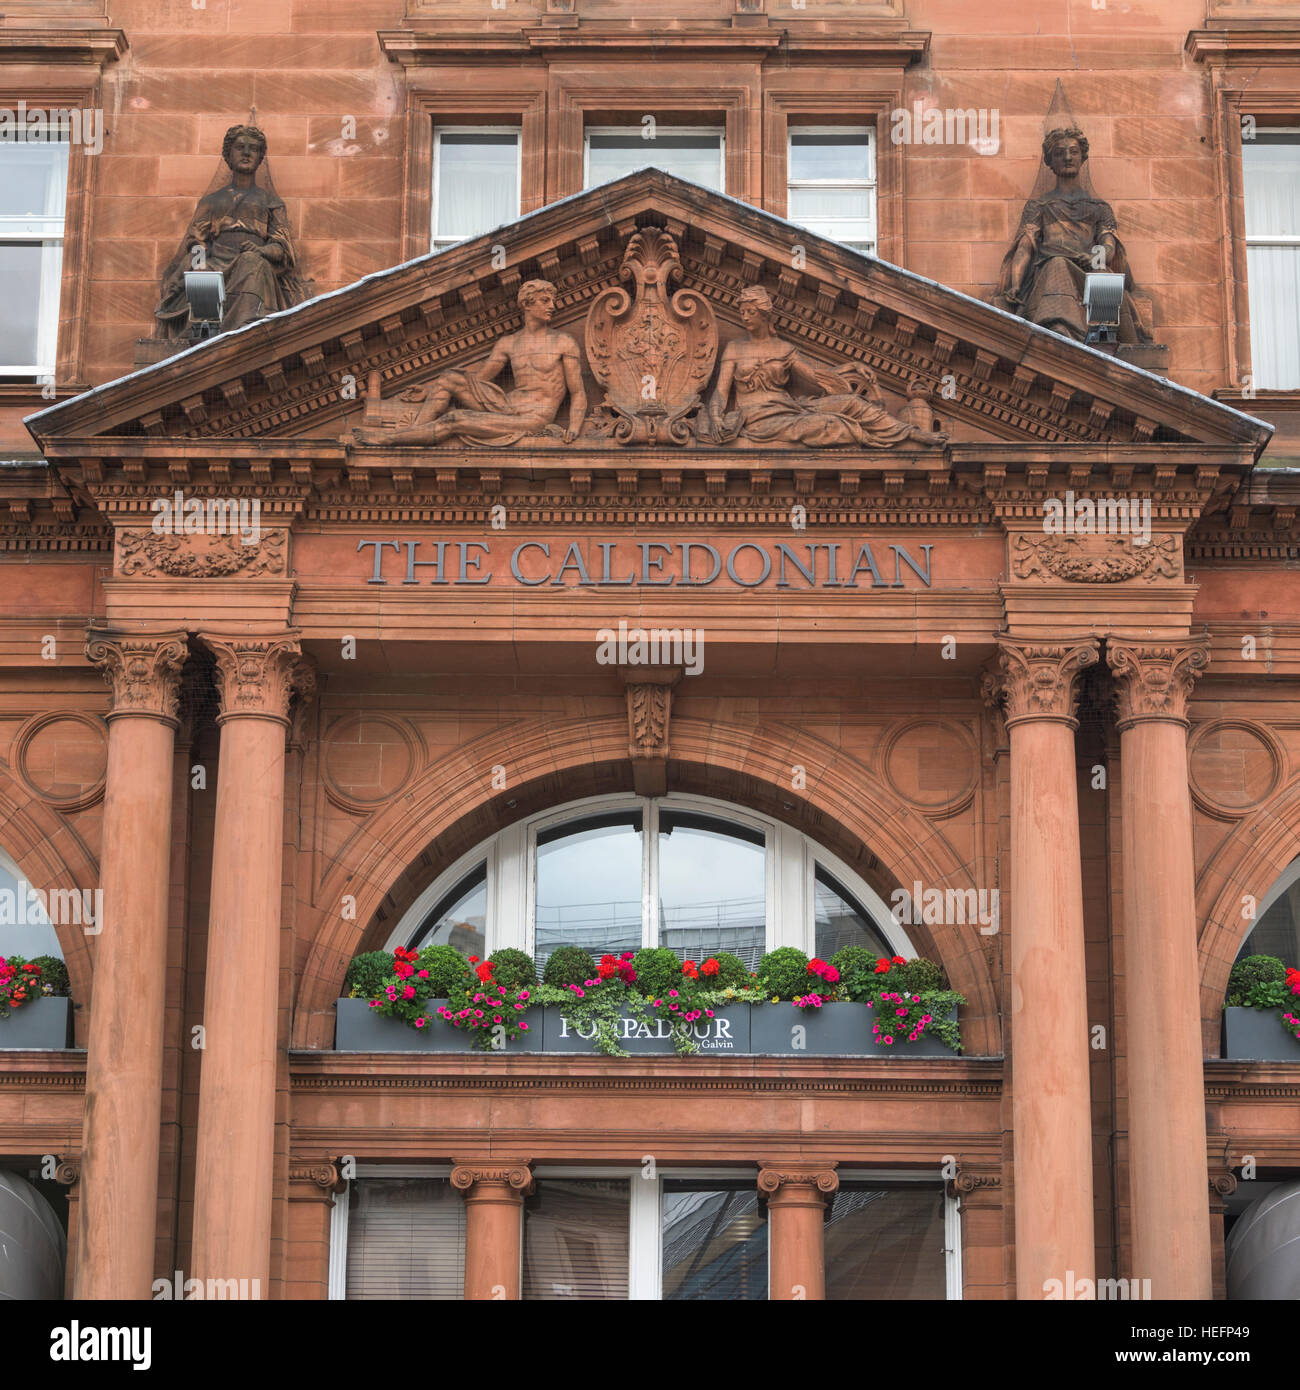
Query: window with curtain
x,y
1270,166
831,190
696,155
576,1239
406,1239
33,197
886,1243
476,175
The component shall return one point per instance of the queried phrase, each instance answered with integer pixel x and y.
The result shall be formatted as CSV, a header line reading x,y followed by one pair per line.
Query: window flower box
x,y
40,1023
834,1030
1257,1035
359,1028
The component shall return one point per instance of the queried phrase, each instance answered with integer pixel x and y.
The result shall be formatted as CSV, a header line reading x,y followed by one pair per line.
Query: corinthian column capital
x,y
1154,682
1038,680
143,668
256,676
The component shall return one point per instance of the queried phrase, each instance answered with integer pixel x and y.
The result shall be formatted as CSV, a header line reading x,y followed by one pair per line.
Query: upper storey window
x,y
832,183
476,174
1271,179
697,155
33,197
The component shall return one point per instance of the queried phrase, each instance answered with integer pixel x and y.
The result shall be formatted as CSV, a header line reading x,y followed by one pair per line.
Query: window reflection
x,y
589,885
460,918
886,1243
843,922
1277,932
576,1239
712,888
714,1241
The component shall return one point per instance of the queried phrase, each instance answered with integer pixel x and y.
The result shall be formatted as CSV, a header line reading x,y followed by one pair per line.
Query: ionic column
x,y
1166,1078
1051,1110
796,1200
118,1196
494,1197
236,1127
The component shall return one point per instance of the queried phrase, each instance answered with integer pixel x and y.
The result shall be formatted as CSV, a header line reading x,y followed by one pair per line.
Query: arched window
x,y
1277,920
25,928
618,873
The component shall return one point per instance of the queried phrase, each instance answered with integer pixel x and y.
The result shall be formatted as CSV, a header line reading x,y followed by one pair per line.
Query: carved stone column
x,y
124,1062
313,1185
1051,1111
796,1199
494,1195
236,1128
1166,1080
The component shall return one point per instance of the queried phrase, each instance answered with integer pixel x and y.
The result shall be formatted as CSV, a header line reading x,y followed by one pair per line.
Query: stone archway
x,y
452,806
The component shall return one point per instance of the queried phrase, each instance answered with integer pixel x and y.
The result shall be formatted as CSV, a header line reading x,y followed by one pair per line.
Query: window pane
x,y
886,1244
406,1239
842,922
693,157
33,179
589,885
1270,166
460,919
478,183
853,204
29,281
1273,273
714,1241
1277,932
839,157
712,888
576,1239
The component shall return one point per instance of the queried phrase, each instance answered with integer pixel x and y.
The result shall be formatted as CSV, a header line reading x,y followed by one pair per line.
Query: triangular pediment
x,y
303,374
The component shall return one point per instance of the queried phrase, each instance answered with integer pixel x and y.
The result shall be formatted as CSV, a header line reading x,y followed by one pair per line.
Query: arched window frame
x,y
791,858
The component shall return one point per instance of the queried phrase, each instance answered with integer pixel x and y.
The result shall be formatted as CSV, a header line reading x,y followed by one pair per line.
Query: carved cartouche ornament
x,y
1060,239
471,408
653,354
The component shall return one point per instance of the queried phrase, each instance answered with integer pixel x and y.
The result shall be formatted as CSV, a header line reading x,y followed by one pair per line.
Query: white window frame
x,y
1271,239
660,129
46,232
645,1215
440,243
790,859
869,184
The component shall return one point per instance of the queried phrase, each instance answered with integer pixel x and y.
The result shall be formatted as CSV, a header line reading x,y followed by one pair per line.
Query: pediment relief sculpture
x,y
654,351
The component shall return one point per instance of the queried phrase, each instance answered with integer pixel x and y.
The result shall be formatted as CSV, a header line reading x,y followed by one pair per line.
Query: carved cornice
x,y
1154,682
488,1180
143,669
256,676
1038,680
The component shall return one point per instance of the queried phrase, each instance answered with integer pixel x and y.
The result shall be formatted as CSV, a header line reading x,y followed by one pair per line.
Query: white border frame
x,y
719,131
1274,241
791,859
437,243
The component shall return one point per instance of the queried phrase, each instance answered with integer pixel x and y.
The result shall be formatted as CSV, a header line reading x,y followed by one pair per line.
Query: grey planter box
x,y
1258,1035
359,1028
40,1023
726,1033
834,1030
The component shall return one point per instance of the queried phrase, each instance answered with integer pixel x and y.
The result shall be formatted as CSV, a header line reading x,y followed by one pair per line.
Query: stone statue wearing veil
x,y
241,229
1065,232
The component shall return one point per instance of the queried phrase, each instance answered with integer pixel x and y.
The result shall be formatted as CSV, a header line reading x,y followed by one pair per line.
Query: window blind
x,y
406,1239
576,1239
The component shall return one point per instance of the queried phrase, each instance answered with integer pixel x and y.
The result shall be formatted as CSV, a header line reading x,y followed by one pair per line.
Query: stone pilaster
x,y
797,1198
494,1193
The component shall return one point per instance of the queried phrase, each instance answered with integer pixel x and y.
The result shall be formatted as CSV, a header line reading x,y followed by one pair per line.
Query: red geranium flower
x,y
898,960
710,967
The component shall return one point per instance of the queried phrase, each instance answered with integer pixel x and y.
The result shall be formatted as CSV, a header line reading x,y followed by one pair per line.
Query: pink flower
x,y
900,1012
709,1012
523,994
496,1018
419,1023
423,974
409,992
374,1003
523,1027
519,1008
672,994
889,1040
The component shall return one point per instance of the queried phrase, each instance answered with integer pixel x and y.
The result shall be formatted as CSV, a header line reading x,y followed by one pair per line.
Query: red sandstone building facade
x,y
392,712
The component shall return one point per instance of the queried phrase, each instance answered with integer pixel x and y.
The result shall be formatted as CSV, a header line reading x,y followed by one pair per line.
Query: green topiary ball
x,y
54,976
658,970
923,976
784,973
733,973
514,969
857,967
569,965
1249,972
367,973
446,966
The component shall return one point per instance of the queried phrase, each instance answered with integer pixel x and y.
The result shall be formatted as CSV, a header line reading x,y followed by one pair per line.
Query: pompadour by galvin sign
x,y
650,564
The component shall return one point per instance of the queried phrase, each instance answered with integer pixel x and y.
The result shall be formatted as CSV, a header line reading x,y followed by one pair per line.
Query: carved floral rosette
x,y
654,353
